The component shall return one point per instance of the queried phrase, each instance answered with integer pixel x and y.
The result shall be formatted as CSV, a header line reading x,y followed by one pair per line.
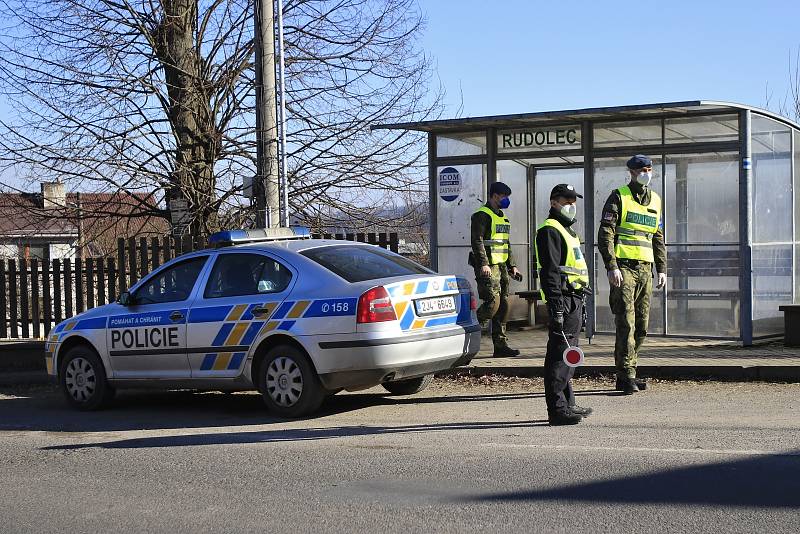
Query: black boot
x,y
583,412
626,385
505,352
564,418
641,383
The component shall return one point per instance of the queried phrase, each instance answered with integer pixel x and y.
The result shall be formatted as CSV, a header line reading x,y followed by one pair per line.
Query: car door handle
x,y
176,316
260,310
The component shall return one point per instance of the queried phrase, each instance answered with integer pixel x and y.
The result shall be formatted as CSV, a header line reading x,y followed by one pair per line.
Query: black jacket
x,y
552,252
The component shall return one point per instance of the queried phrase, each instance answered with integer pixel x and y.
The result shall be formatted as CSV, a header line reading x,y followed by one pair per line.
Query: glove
x,y
662,280
615,277
556,319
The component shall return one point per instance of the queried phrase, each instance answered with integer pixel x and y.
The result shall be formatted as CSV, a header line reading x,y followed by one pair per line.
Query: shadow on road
x,y
43,409
768,481
304,434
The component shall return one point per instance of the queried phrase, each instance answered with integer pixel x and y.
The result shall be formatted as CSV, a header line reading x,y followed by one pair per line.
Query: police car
x,y
295,318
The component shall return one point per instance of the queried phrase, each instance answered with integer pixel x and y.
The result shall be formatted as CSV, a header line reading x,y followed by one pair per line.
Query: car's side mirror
x,y
125,299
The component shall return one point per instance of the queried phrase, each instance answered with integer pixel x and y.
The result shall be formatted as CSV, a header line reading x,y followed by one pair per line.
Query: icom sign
x,y
539,139
449,184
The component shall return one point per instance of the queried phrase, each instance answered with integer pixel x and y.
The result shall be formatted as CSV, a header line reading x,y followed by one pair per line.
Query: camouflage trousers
x,y
493,291
630,304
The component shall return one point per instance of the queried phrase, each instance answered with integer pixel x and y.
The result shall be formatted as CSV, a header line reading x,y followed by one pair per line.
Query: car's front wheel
x,y
289,383
408,386
82,379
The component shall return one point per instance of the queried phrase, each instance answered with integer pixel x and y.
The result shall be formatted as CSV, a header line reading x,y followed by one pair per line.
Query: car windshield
x,y
356,263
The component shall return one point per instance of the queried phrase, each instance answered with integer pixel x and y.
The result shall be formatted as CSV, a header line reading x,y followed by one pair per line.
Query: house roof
x,y
22,215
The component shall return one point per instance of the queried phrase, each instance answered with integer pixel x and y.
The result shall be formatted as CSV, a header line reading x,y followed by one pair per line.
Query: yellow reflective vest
x,y
574,269
498,244
637,224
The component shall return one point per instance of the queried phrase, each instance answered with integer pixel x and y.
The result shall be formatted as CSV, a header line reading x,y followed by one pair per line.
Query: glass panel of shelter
x,y
514,173
702,202
701,129
773,249
460,144
796,210
627,133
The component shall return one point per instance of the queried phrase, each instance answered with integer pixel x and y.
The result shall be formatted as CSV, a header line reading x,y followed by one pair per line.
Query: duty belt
x,y
630,263
573,271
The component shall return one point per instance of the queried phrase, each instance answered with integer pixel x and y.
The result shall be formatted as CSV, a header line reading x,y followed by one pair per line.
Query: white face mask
x,y
569,211
644,178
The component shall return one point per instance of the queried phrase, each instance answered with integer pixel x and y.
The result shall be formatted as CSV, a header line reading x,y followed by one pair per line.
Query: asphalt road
x,y
463,456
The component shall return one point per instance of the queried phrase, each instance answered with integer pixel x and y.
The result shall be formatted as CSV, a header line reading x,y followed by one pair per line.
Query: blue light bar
x,y
236,237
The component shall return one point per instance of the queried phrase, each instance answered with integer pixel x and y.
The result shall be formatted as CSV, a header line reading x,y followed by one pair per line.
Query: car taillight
x,y
473,303
375,306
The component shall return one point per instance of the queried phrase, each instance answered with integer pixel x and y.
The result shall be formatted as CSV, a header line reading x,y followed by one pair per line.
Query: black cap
x,y
564,190
639,161
499,188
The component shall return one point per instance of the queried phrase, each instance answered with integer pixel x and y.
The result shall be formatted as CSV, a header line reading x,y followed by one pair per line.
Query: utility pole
x,y
265,185
284,176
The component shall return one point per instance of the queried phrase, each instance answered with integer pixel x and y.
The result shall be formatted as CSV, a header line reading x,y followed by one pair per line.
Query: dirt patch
x,y
512,383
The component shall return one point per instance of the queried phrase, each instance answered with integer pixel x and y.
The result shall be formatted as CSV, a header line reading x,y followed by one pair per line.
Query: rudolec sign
x,y
537,139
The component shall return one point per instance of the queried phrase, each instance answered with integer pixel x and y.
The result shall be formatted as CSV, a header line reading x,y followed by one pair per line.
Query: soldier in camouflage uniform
x,y
493,261
631,240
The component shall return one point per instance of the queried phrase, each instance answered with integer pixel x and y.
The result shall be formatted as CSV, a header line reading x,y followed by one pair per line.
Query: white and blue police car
x,y
273,310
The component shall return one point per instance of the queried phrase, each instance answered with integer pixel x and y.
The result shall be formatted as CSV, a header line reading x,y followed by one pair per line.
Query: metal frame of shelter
x,y
589,119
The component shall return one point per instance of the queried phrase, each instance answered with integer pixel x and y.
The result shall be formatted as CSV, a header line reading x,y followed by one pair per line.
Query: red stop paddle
x,y
572,356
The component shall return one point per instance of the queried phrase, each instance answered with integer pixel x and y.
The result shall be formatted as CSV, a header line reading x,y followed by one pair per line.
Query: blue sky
x,y
513,56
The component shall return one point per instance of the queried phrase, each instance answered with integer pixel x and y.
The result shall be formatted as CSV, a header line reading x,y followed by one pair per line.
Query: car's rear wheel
x,y
288,382
408,386
82,379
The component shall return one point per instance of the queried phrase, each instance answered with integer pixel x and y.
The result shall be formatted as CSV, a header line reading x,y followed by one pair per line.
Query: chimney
x,y
54,195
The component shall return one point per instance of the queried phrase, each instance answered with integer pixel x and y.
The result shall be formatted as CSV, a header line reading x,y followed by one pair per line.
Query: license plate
x,y
436,305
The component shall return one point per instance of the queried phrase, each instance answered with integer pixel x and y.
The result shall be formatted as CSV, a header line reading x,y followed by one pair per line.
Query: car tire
x,y
288,382
408,386
82,378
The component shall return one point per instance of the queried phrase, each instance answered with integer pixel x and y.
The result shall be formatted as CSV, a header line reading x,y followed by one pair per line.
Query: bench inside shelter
x,y
791,324
688,268
683,266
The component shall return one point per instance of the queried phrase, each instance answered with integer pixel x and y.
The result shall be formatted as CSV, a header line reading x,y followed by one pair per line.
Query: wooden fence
x,y
36,295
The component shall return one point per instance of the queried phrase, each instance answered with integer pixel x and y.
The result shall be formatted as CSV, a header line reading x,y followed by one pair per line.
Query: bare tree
x,y
147,95
789,104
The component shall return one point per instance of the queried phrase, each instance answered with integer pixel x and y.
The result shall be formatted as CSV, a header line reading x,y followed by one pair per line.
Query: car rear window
x,y
357,263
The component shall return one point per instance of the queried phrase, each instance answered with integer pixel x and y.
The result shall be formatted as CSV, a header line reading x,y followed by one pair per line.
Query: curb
x,y
24,378
777,373
785,373
18,356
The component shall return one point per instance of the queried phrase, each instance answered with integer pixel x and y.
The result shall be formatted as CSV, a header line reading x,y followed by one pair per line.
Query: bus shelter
x,y
726,173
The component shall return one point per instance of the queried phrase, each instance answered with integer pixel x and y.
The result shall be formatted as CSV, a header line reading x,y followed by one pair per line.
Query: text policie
x,y
145,338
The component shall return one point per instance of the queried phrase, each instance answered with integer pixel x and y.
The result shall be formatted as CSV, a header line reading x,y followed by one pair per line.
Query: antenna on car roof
x,y
236,237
